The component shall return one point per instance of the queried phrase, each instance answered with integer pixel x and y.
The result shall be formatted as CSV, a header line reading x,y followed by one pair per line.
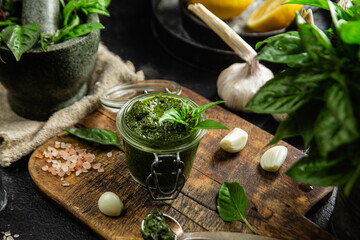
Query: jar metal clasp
x,y
179,181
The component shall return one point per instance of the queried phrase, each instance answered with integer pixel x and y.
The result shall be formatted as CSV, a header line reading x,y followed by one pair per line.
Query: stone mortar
x,y
42,83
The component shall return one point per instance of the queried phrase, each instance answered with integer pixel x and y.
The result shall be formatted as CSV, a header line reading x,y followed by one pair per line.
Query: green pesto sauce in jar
x,y
143,120
145,139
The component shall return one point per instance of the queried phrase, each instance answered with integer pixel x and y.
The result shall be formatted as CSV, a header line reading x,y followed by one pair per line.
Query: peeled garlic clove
x,y
110,204
234,141
273,158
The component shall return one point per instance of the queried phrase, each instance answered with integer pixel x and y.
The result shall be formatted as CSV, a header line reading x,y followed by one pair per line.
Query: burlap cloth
x,y
20,136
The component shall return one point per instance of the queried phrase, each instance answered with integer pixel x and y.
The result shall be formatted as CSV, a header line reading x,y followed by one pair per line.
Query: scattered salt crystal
x,y
77,173
8,233
62,179
45,168
73,158
57,144
16,235
61,174
39,156
101,170
54,152
9,238
109,154
72,151
96,165
86,165
66,184
54,172
65,167
63,145
68,145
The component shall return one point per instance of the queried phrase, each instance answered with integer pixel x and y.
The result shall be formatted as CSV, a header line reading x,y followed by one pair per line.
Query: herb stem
x,y
248,224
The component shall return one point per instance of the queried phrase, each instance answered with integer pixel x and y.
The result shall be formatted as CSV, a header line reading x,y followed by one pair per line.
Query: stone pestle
x,y
45,13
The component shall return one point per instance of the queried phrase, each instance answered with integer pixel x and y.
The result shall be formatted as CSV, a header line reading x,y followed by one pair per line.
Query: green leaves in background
x,y
101,136
232,203
82,29
19,39
319,92
283,48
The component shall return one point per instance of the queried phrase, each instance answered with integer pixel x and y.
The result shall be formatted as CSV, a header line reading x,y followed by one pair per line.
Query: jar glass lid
x,y
114,98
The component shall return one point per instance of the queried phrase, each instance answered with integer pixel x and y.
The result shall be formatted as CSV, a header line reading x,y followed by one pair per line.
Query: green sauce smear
x,y
155,227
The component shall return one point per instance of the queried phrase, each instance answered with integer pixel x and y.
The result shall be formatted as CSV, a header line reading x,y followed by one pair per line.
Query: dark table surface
x,y
129,34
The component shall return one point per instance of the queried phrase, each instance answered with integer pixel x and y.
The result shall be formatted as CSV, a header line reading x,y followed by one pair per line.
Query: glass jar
x,y
159,165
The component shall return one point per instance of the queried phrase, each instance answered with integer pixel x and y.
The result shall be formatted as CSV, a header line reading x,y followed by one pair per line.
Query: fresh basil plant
x,y
319,90
20,39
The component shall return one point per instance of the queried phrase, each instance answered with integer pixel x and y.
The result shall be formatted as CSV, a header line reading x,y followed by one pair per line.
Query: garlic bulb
x,y
239,82
234,141
237,85
273,158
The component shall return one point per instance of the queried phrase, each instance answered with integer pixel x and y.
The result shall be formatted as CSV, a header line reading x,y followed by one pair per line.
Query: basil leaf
x,y
68,9
45,39
98,11
299,123
349,32
314,41
284,93
19,39
209,124
172,115
7,23
336,124
82,30
283,48
232,203
75,21
321,171
101,136
199,110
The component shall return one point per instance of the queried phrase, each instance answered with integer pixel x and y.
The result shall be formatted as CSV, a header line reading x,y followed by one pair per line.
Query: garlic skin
x,y
273,158
234,141
110,204
238,83
279,117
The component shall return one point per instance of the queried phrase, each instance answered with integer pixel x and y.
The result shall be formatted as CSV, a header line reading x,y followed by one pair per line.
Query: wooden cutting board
x,y
276,208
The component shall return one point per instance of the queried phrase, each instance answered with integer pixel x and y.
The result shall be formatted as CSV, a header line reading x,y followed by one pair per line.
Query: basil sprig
x,y
101,136
186,116
232,203
320,93
20,39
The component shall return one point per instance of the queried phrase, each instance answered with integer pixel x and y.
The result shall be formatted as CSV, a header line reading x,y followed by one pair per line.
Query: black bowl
x,y
202,33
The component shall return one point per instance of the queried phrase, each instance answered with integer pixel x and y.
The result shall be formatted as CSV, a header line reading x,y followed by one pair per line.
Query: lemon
x,y
271,15
224,9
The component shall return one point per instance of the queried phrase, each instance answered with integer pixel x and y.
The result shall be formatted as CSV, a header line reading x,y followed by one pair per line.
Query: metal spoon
x,y
180,235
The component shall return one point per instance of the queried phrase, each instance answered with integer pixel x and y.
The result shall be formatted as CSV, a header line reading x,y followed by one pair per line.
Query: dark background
x,y
129,34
